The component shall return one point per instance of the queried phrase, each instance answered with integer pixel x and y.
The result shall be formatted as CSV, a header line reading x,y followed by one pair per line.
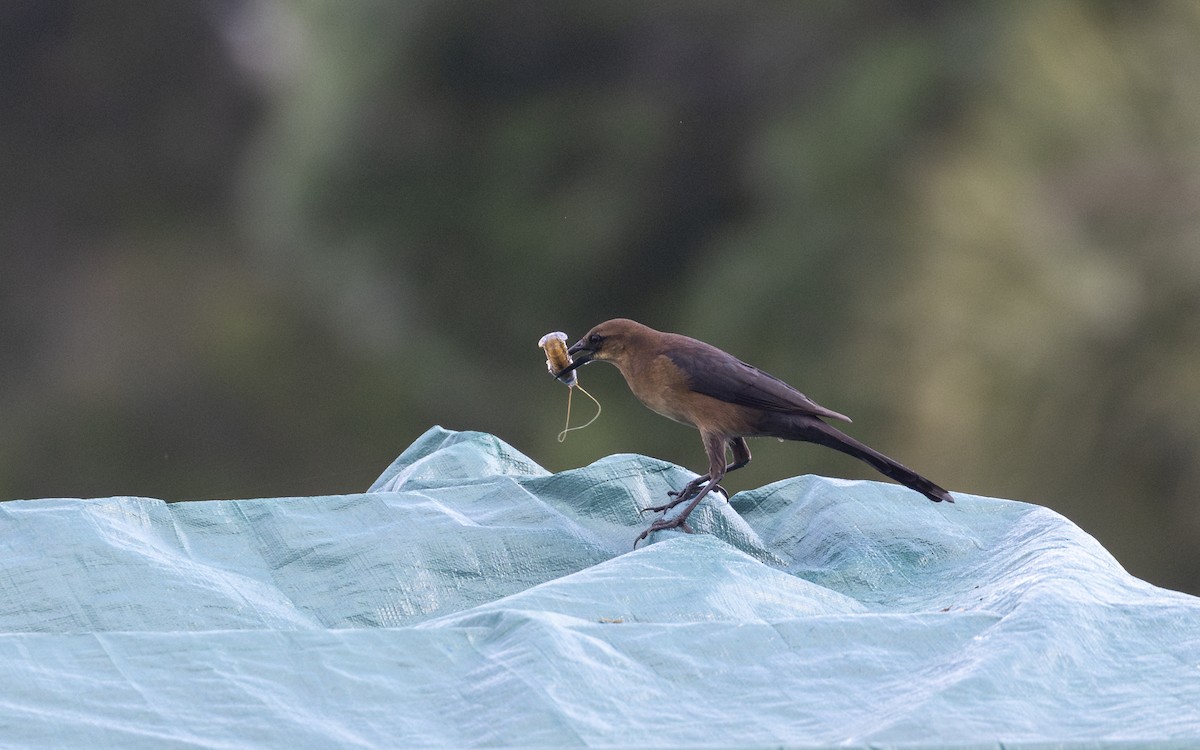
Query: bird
x,y
727,400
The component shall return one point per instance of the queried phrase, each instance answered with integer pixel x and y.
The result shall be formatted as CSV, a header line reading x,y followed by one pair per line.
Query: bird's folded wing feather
x,y
727,378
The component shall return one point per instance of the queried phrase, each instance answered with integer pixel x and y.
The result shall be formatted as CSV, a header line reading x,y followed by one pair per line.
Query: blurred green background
x,y
255,248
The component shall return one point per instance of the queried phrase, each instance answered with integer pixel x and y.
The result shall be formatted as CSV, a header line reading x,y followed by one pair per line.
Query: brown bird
x,y
727,400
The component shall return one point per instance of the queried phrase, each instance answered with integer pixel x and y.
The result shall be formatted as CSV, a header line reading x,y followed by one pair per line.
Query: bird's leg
x,y
687,493
741,454
679,521
741,457
689,490
715,447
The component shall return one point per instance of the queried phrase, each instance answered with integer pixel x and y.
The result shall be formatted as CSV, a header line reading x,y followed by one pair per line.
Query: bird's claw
x,y
663,524
663,508
679,496
690,491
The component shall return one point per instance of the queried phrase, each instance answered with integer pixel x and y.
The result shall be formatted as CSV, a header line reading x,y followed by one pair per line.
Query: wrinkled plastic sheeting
x,y
471,598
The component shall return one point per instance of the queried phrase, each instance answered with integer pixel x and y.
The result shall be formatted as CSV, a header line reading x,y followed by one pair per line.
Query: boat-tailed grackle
x,y
727,400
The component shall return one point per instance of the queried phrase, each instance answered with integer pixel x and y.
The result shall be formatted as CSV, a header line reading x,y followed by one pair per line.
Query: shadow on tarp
x,y
471,598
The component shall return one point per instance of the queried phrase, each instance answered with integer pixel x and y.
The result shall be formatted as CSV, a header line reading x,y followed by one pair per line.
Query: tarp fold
x,y
471,598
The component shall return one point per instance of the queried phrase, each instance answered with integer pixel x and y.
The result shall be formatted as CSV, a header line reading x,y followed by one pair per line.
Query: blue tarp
x,y
471,598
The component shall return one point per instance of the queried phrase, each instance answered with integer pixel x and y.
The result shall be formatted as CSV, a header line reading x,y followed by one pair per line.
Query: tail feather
x,y
815,431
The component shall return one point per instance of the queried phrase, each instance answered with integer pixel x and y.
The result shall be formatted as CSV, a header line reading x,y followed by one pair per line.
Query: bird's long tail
x,y
815,431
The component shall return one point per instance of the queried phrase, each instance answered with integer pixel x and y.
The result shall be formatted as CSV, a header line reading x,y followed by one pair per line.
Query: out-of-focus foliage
x,y
256,247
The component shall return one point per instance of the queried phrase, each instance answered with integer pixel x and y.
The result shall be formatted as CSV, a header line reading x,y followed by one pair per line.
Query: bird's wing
x,y
727,378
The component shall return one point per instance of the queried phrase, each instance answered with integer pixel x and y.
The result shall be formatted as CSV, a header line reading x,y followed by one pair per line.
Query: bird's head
x,y
611,341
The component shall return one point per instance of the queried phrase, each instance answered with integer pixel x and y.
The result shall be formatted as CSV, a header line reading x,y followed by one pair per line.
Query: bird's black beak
x,y
580,356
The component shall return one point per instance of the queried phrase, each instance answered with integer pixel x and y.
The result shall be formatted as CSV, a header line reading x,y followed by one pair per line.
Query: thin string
x,y
567,427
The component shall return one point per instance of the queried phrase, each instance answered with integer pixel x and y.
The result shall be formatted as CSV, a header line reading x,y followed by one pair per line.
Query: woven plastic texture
x,y
472,599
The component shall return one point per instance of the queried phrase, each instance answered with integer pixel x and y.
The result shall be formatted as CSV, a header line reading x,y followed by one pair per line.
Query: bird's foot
x,y
679,498
662,524
690,490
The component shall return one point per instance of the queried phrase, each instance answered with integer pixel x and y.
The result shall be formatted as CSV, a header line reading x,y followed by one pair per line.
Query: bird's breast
x,y
661,386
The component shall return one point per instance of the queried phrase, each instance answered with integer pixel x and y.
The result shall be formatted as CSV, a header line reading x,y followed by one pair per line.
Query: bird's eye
x,y
595,339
